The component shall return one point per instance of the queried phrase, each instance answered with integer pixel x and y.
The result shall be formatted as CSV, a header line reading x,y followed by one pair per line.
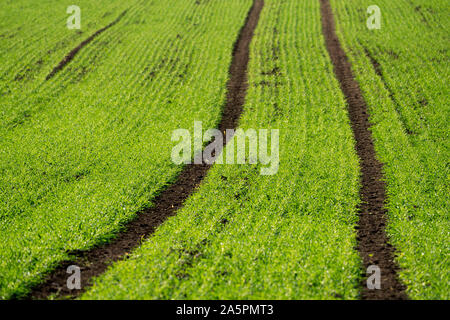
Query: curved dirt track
x,y
72,53
95,261
373,243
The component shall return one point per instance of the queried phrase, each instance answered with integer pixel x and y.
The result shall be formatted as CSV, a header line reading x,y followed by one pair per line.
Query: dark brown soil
x,y
72,53
94,262
373,243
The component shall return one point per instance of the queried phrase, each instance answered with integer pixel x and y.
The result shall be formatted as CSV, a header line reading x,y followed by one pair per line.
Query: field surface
x,y
244,235
404,72
83,152
87,116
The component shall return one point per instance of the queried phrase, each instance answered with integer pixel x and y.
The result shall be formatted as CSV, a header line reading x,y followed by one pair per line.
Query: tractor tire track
x,y
69,57
95,261
377,67
373,243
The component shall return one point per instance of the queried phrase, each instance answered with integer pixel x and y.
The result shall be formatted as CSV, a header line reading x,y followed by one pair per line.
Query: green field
x,y
409,107
83,152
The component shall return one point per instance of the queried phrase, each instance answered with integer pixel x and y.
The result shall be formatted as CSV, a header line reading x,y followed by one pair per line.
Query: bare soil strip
x,y
95,261
373,243
72,53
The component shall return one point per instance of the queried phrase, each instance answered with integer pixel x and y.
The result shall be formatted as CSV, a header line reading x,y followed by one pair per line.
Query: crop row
x,y
244,235
34,38
404,73
82,153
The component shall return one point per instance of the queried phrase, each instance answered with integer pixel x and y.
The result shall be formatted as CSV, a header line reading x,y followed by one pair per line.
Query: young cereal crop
x,y
404,74
359,173
248,236
33,39
82,153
